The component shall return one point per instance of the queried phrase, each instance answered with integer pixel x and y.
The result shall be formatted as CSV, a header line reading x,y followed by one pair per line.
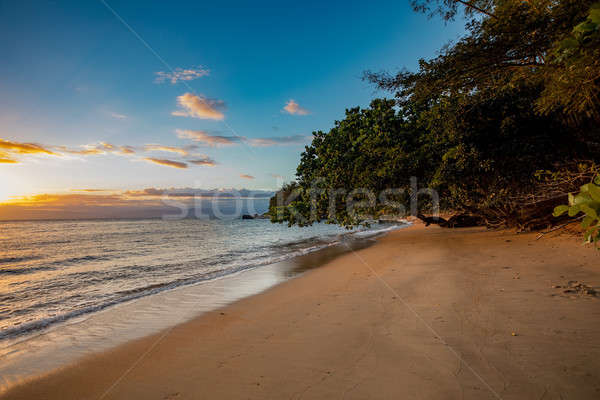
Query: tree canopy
x,y
517,94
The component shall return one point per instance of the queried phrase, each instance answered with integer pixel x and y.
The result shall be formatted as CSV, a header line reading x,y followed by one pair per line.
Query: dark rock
x,y
456,221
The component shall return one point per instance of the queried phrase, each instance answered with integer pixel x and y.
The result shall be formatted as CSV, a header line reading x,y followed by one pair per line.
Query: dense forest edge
x,y
502,127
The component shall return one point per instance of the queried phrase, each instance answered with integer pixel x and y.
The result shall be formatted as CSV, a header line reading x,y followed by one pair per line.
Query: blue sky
x,y
74,76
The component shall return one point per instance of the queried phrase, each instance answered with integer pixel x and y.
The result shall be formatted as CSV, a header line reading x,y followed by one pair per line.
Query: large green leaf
x,y
587,221
574,210
560,210
594,191
589,211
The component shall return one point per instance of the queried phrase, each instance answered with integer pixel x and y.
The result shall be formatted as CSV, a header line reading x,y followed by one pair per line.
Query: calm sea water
x,y
53,271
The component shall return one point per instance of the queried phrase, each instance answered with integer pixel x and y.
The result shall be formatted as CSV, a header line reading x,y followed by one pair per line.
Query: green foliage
x,y
553,46
572,79
517,94
375,148
586,202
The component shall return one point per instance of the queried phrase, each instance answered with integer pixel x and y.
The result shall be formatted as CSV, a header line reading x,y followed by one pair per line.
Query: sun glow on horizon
x,y
12,188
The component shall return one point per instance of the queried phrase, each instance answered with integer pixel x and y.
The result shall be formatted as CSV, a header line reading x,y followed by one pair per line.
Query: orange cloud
x,y
246,176
107,146
199,107
198,193
169,149
97,149
91,190
294,108
86,151
167,163
23,148
147,203
126,150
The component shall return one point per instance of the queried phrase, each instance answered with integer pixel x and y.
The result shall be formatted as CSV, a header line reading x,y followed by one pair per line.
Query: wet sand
x,y
425,313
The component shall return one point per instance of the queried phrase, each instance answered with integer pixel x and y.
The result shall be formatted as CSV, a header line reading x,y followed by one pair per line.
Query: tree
x,y
343,173
517,94
546,43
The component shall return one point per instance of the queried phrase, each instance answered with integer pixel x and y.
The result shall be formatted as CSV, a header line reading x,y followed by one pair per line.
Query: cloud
x,y
208,139
4,160
91,190
146,203
199,107
246,176
23,148
126,150
291,107
219,140
107,146
276,176
167,163
204,161
184,151
96,149
181,74
277,140
87,150
117,115
194,192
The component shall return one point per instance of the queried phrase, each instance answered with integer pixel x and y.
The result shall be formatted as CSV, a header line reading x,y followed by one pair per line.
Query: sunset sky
x,y
127,95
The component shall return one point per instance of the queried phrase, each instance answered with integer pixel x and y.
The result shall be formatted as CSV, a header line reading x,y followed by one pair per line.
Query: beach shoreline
x,y
422,313
57,345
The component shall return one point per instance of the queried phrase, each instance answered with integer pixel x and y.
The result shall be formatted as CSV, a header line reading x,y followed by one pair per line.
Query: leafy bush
x,y
587,201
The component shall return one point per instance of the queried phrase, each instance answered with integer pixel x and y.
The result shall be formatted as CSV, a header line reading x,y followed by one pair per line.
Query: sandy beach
x,y
425,313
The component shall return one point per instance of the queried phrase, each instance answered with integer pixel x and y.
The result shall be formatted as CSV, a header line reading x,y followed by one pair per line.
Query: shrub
x,y
586,202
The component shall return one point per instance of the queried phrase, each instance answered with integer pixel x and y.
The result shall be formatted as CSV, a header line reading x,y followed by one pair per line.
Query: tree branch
x,y
481,10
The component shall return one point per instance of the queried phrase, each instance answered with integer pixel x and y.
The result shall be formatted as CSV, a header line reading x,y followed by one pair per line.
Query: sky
x,y
114,96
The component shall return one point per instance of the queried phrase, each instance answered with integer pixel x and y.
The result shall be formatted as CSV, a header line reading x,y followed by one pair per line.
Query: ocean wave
x,y
375,232
205,269
7,260
23,270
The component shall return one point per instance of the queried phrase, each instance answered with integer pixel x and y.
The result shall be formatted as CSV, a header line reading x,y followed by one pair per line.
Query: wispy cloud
x,y
91,190
208,139
219,140
246,176
88,149
276,140
181,74
96,149
184,151
194,192
291,107
167,163
276,176
5,159
146,203
201,107
107,146
204,161
117,115
126,150
84,151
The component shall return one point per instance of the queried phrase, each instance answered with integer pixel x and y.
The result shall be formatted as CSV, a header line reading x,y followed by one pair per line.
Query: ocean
x,y
52,272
